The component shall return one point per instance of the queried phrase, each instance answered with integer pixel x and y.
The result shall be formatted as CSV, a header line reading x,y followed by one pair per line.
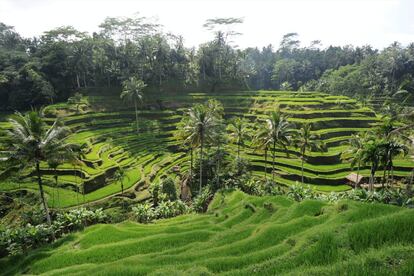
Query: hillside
x,y
107,126
240,235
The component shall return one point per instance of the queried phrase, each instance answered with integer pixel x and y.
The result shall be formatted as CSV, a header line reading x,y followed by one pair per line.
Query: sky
x,y
334,22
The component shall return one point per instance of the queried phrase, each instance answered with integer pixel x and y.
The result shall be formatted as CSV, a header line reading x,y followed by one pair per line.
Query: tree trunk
x,y
136,114
78,80
302,168
238,150
266,164
410,184
273,162
42,195
84,80
218,166
201,162
383,180
122,187
357,182
191,164
372,179
56,184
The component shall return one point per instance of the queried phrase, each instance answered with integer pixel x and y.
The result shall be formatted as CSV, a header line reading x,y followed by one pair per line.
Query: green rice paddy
x,y
239,235
108,129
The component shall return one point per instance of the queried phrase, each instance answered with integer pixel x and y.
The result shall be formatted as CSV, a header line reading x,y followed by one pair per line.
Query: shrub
x,y
168,188
300,192
156,193
201,201
18,240
168,209
77,219
144,213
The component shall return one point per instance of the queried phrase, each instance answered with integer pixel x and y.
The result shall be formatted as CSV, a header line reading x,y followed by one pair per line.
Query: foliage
x,y
31,142
201,201
15,241
242,235
169,189
145,213
301,192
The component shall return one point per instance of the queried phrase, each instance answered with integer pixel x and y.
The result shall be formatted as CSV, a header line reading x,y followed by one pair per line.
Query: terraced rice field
x,y
240,235
108,129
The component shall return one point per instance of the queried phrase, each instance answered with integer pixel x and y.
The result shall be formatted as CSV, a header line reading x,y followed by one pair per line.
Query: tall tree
x,y
372,154
354,152
239,132
202,121
32,142
277,132
133,90
305,140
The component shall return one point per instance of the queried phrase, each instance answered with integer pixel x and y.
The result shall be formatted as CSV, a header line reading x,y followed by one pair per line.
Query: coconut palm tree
x,y
187,140
57,159
261,142
32,142
372,153
119,176
354,152
305,140
239,132
277,131
133,91
219,138
391,149
200,127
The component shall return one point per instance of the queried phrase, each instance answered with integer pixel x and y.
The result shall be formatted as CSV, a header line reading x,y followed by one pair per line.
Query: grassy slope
x,y
241,235
154,151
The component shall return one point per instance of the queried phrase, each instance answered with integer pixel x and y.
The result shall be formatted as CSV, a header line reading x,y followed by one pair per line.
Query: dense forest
x,y
46,69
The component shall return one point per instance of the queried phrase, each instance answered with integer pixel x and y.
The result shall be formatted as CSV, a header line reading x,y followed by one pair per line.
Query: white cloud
x,y
334,22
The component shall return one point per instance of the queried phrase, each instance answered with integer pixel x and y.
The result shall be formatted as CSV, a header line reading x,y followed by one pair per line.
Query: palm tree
x,y
119,176
184,136
219,138
57,159
239,132
372,153
262,142
391,149
133,91
32,142
200,127
305,140
354,152
276,132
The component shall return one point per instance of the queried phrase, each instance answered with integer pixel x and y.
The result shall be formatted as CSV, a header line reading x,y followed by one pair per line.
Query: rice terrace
x,y
127,151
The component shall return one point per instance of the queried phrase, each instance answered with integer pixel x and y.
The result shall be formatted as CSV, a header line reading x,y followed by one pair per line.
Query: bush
x,y
144,213
77,219
168,209
201,201
156,193
387,196
300,192
168,188
18,240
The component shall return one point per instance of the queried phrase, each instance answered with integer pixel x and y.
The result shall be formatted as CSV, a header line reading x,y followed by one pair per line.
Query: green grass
x,y
240,235
109,131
